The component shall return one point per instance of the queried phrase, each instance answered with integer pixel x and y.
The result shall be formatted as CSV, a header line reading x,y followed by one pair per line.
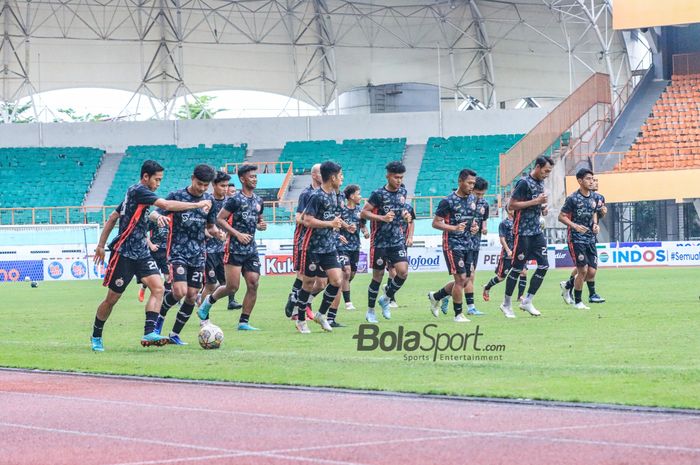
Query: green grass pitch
x,y
641,347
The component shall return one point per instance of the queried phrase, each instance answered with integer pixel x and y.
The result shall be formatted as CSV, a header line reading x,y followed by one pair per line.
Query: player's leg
x,y
335,280
517,266
592,254
104,309
391,272
399,261
251,274
582,272
177,292
522,284
377,261
537,250
195,276
472,259
501,270
153,304
308,267
348,275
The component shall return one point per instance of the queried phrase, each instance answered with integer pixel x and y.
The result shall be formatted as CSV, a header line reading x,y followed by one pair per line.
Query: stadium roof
x,y
311,50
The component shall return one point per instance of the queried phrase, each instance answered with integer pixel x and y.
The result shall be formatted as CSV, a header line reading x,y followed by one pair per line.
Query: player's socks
x,y
457,307
570,283
470,299
301,303
182,317
346,296
168,286
168,301
591,287
511,281
577,296
536,281
150,325
244,318
372,293
315,293
97,327
441,294
328,298
528,298
522,284
332,313
492,283
394,286
507,300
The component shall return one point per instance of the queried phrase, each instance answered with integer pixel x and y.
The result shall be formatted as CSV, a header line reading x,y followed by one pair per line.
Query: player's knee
x,y
252,285
157,290
336,281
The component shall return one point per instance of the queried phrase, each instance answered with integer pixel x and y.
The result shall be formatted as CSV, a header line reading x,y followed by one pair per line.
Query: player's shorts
x,y
214,268
121,270
584,254
530,248
315,265
504,264
249,262
380,257
349,258
457,262
472,258
161,258
192,275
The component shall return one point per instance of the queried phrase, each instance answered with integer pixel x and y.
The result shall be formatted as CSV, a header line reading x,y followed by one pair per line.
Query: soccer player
x,y
455,217
232,303
157,244
187,249
529,201
505,236
407,228
130,255
240,217
385,209
298,234
319,253
349,243
214,272
580,217
481,185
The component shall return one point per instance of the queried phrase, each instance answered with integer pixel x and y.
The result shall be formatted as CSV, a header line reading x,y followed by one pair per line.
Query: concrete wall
x,y
263,133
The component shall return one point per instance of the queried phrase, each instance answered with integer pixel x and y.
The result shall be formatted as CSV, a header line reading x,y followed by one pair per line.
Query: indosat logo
x,y
640,256
428,344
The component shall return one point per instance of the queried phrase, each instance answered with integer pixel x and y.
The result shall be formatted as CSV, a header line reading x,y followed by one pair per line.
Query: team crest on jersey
x,y
180,270
212,273
312,267
581,257
257,207
402,199
521,256
593,203
380,262
119,282
472,206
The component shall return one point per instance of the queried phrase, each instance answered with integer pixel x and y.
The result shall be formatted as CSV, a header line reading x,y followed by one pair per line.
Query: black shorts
x,y
214,268
473,258
457,261
161,258
504,264
379,258
530,248
181,272
250,262
121,270
349,258
584,254
315,265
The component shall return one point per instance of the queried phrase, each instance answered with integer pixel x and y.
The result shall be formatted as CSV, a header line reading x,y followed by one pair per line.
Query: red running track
x,y
75,419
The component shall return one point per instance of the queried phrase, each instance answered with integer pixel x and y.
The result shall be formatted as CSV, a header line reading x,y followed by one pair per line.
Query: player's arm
x,y
367,213
106,231
521,193
565,217
151,246
178,206
596,227
409,233
504,244
262,224
222,222
441,213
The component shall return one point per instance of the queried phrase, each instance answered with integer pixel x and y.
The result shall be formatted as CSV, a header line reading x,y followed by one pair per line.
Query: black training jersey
x,y
482,215
159,235
384,201
133,223
404,223
304,198
245,215
600,201
505,230
215,245
455,210
527,222
187,240
322,206
351,216
580,209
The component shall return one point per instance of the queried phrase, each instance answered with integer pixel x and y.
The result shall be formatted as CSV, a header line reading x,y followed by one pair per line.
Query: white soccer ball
x,y
210,336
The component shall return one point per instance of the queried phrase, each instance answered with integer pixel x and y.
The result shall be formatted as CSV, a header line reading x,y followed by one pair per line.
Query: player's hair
x,y
544,160
395,167
583,172
329,169
204,173
481,184
221,177
465,173
350,190
151,167
243,169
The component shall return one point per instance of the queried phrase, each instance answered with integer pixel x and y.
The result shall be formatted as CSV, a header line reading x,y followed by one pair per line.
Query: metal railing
x,y
671,159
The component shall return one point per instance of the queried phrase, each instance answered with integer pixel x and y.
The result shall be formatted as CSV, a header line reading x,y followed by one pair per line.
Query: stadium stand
x,y
178,163
363,160
670,137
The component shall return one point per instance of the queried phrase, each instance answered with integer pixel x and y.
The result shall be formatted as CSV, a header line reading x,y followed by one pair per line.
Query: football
x,y
210,336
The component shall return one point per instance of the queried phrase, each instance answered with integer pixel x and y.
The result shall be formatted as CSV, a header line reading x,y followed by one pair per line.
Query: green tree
x,y
87,117
16,113
200,108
